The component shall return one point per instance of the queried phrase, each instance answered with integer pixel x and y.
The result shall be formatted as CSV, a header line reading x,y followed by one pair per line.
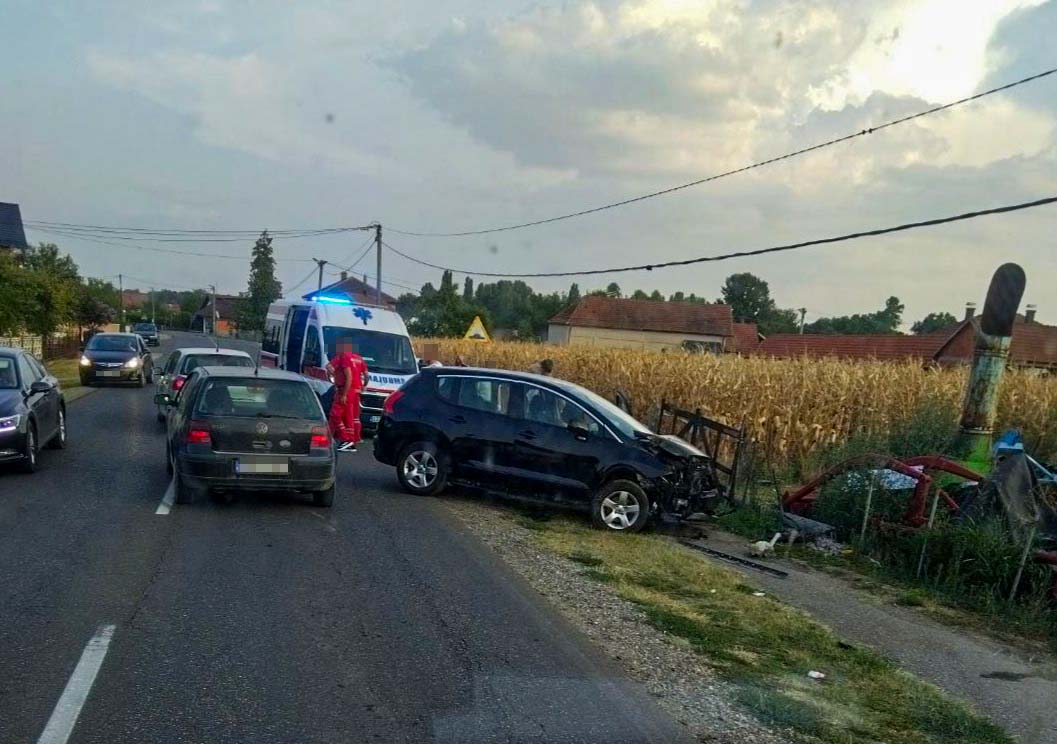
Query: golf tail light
x,y
198,433
320,437
178,382
387,407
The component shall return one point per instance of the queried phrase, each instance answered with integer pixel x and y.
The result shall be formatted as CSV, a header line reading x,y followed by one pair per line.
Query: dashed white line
x,y
64,717
167,500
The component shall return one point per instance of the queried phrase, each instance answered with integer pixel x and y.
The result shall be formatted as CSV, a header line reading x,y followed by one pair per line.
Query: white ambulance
x,y
302,335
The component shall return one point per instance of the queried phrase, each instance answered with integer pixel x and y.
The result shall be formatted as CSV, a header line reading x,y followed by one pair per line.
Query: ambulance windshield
x,y
386,353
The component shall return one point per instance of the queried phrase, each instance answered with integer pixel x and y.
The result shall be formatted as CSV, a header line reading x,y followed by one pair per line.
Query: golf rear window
x,y
256,397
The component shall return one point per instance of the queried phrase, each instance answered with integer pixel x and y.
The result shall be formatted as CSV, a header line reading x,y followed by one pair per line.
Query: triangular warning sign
x,y
476,331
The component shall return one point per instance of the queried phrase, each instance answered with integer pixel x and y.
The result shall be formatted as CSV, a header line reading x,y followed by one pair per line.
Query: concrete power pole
x,y
378,268
212,309
121,300
321,263
152,304
803,312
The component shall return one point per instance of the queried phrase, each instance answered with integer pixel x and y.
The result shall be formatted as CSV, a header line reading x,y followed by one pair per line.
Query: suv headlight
x,y
9,423
85,361
132,363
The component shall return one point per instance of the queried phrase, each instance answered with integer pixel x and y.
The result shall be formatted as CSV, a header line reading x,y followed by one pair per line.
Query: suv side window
x,y
447,388
544,407
491,396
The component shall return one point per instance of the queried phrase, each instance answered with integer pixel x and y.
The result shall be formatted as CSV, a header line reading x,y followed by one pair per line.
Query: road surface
x,y
270,620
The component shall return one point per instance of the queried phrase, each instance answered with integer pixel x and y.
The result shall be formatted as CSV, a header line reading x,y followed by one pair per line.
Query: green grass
x,y
766,648
69,377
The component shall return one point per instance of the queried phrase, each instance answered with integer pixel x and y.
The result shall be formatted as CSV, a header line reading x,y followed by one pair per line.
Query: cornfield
x,y
791,409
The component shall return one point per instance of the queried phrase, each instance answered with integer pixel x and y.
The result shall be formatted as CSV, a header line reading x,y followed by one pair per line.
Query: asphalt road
x,y
269,620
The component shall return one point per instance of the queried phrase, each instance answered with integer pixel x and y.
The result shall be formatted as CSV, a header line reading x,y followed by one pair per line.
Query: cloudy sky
x,y
450,115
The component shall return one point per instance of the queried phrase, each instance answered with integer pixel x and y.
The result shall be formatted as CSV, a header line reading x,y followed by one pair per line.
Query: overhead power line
x,y
147,237
174,251
741,254
725,174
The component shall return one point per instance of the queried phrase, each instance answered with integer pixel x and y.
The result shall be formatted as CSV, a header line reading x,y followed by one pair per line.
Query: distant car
x,y
116,357
542,438
32,409
233,429
182,362
148,332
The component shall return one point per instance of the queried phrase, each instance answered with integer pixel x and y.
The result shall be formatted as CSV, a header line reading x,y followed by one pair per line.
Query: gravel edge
x,y
679,681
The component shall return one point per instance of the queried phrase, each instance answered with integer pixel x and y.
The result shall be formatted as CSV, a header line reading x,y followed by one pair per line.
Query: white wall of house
x,y
625,339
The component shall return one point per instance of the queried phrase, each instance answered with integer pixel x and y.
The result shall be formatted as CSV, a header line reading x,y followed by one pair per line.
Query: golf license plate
x,y
110,373
262,467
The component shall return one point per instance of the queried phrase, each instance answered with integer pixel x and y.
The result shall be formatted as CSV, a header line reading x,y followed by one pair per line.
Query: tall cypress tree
x,y
264,288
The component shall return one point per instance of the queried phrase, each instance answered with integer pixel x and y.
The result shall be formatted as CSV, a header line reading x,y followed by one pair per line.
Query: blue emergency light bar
x,y
330,300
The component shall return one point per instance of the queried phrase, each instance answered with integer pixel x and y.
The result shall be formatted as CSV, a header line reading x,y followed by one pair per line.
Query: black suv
x,y
539,437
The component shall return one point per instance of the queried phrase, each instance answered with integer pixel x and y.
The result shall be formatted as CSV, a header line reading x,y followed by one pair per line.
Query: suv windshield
x,y
144,327
111,343
194,361
617,418
255,397
383,352
8,376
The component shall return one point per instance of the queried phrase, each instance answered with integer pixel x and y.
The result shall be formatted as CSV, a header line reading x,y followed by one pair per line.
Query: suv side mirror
x,y
162,399
40,386
579,429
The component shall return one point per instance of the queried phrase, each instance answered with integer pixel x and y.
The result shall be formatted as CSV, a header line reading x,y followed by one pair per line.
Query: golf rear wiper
x,y
262,414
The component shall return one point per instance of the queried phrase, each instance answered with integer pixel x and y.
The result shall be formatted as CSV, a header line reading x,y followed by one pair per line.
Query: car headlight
x,y
132,363
85,361
9,423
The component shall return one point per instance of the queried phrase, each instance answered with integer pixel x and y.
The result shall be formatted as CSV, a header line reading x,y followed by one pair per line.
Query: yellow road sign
x,y
476,331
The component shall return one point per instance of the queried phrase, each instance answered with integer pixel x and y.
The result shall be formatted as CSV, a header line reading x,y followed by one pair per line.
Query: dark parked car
x,y
234,429
543,438
148,332
116,357
32,409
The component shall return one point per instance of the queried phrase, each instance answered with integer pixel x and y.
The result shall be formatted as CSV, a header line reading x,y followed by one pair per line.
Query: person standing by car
x,y
349,373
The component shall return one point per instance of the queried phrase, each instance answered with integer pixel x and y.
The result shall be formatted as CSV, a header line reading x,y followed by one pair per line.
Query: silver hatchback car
x,y
182,362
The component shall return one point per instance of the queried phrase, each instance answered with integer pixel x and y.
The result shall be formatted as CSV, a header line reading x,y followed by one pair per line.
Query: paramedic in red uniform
x,y
349,373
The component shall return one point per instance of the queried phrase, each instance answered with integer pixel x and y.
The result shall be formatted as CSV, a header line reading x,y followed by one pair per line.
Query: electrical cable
x,y
717,176
742,254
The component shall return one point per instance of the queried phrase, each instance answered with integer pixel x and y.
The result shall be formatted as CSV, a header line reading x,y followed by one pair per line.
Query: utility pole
x,y
121,299
321,263
152,304
212,309
803,312
378,269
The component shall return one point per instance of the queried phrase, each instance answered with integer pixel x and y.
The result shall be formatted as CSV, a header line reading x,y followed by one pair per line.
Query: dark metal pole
x,y
993,335
378,268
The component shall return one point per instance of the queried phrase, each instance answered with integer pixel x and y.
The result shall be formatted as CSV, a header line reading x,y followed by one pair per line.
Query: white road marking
x,y
64,717
167,500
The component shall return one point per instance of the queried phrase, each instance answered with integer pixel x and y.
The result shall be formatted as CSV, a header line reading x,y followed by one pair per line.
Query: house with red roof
x,y
658,325
1034,345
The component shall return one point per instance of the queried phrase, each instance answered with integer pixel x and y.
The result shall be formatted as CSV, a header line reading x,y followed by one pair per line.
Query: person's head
x,y
547,366
346,347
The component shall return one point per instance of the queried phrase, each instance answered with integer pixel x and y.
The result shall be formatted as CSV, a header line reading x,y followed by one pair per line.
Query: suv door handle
x,y
526,434
457,419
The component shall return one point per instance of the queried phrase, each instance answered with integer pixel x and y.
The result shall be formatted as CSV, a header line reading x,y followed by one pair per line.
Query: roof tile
x,y
598,311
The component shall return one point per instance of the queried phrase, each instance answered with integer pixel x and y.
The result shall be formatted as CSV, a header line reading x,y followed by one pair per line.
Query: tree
x,y
656,295
750,300
88,312
45,258
749,297
467,289
264,288
933,322
613,289
678,297
640,295
886,320
574,294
